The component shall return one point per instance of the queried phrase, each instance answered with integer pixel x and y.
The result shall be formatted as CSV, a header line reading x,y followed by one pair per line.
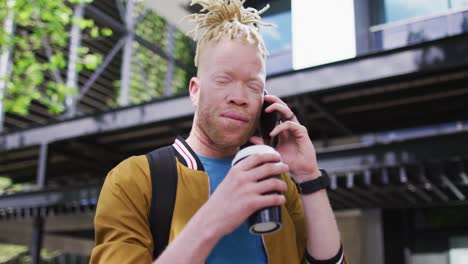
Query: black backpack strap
x,y
162,164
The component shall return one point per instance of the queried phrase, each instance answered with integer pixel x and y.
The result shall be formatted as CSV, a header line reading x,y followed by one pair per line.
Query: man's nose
x,y
238,95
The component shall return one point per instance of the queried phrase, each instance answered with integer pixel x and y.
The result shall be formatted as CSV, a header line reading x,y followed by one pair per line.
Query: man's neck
x,y
202,145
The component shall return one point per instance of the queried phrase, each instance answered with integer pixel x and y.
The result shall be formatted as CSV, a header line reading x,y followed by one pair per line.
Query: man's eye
x,y
255,88
222,81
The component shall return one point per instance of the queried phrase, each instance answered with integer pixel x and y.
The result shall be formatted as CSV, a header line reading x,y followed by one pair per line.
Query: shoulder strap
x,y
163,171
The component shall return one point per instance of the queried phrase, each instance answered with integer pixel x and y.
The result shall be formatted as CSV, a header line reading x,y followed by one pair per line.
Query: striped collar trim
x,y
186,155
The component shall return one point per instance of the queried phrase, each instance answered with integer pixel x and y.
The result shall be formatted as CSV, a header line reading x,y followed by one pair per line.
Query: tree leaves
x,y
42,27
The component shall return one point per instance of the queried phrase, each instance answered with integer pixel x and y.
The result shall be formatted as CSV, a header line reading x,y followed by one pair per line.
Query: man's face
x,y
228,92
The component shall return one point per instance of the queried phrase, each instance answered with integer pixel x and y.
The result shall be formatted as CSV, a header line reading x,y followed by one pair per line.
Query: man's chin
x,y
234,140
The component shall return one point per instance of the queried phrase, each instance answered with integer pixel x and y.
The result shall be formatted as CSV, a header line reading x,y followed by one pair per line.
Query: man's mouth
x,y
237,116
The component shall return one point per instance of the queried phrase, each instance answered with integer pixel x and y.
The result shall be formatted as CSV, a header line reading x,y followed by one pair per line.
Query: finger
x,y
256,160
270,185
256,140
267,170
296,129
285,112
274,99
277,107
268,200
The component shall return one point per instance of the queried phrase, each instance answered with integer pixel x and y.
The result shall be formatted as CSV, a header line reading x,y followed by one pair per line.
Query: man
x,y
214,200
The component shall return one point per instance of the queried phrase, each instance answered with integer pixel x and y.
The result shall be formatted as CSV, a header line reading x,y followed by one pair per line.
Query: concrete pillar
x,y
362,235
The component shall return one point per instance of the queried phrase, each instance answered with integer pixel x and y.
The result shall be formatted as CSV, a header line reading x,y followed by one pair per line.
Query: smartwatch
x,y
319,183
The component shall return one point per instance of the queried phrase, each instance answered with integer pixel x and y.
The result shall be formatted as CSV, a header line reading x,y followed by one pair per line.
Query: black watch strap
x,y
308,187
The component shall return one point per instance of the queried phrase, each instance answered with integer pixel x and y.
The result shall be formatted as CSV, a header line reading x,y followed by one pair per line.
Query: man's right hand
x,y
246,188
240,194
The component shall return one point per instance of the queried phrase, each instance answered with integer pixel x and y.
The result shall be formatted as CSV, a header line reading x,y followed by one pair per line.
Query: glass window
x,y
403,9
277,38
458,3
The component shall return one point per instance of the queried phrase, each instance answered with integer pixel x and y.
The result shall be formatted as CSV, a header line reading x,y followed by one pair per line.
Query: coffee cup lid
x,y
250,150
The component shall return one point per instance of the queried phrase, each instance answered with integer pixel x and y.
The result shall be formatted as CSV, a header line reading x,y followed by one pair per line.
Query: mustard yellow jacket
x,y
122,231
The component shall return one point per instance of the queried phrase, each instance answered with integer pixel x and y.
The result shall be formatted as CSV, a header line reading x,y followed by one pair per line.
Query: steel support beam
x,y
121,8
109,57
49,52
396,149
431,187
126,70
331,117
154,112
452,187
37,239
72,72
171,62
42,166
47,198
5,60
102,18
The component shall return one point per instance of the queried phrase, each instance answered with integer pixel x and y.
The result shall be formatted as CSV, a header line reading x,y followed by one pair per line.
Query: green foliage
x,y
19,254
185,53
181,80
148,75
37,23
5,182
154,29
9,251
183,49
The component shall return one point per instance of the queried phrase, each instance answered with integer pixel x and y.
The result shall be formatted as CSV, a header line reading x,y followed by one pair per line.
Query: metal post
x,y
5,62
127,55
72,73
42,165
170,65
362,24
38,224
38,230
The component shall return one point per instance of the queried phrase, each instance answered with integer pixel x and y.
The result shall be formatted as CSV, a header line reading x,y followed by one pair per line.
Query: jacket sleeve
x,y
122,232
339,258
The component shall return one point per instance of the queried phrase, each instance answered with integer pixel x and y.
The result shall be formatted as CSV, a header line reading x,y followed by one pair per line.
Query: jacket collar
x,y
186,155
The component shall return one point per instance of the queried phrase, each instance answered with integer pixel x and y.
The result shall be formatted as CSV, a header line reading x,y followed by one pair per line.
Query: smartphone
x,y
268,121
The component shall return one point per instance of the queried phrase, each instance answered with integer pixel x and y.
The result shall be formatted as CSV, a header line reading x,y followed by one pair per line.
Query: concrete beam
x,y
122,118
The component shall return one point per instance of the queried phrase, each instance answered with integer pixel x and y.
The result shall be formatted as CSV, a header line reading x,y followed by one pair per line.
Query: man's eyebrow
x,y
221,72
231,73
256,78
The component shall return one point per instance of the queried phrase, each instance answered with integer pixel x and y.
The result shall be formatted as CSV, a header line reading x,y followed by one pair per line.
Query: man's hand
x,y
296,150
242,192
294,145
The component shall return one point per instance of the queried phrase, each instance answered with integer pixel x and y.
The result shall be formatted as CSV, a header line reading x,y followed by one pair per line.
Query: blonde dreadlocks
x,y
227,19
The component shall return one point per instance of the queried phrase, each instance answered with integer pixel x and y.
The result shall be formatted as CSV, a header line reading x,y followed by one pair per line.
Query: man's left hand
x,y
294,145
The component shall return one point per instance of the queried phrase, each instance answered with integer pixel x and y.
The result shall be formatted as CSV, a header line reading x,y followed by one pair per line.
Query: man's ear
x,y
194,89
